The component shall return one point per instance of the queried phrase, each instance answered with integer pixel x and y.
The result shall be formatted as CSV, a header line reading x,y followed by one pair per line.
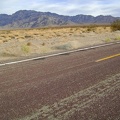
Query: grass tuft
x,y
107,40
25,48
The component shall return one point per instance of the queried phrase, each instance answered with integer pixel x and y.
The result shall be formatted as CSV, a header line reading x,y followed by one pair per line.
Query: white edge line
x,y
57,54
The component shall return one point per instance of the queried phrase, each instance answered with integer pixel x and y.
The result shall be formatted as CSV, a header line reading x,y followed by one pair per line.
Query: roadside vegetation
x,y
115,25
25,42
25,48
107,40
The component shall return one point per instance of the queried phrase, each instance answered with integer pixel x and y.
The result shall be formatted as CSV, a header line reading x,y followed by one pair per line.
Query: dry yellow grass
x,y
47,40
48,33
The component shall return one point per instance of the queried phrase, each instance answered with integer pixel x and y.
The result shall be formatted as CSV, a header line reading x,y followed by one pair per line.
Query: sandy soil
x,y
20,43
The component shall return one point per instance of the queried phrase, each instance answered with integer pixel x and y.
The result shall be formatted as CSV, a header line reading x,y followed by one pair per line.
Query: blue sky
x,y
63,7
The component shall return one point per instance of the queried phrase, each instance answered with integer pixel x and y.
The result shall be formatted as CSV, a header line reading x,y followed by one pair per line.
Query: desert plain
x,y
20,43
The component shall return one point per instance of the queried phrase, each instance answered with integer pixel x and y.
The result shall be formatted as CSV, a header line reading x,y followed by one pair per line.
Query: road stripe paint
x,y
2,64
57,54
109,57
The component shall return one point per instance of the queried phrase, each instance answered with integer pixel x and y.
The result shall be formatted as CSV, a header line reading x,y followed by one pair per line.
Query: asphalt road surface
x,y
78,86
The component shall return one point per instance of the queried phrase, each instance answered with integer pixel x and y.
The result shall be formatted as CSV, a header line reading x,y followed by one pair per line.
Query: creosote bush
x,y
115,25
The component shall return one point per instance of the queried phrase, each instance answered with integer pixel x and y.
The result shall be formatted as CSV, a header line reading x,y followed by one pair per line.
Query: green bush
x,y
25,48
117,38
115,25
107,40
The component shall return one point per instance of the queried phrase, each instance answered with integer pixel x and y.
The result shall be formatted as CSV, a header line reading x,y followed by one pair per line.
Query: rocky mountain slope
x,y
32,19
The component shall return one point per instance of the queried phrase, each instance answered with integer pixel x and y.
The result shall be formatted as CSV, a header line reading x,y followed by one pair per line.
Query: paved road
x,y
78,86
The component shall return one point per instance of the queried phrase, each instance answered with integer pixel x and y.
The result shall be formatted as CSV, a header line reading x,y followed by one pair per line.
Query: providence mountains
x,y
34,19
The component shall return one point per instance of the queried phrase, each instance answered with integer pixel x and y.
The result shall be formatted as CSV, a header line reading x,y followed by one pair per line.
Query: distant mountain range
x,y
33,19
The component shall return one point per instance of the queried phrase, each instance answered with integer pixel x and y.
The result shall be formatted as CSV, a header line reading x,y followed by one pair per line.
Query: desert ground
x,y
40,41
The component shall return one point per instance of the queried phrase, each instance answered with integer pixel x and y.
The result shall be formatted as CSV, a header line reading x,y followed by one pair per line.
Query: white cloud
x,y
63,7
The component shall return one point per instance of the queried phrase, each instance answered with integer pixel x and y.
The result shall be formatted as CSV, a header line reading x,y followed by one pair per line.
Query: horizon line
x,y
58,14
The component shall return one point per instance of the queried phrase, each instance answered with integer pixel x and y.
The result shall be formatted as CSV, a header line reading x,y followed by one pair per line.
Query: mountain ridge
x,y
34,19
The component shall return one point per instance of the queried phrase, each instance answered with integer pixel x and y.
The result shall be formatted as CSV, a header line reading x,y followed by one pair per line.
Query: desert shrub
x,y
64,47
107,40
25,48
117,38
12,37
6,31
43,44
22,37
16,35
58,35
29,44
6,54
3,36
36,34
28,36
5,41
89,29
104,27
115,25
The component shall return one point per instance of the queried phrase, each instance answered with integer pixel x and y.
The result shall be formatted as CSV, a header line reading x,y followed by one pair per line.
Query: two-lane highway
x,y
83,85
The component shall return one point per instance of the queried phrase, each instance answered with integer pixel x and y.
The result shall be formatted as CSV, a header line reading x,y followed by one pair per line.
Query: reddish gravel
x,y
70,87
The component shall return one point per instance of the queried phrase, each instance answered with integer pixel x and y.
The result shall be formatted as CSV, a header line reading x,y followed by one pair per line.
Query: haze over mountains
x,y
33,19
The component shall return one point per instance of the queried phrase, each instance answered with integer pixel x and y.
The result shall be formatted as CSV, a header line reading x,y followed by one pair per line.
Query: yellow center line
x,y
106,58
